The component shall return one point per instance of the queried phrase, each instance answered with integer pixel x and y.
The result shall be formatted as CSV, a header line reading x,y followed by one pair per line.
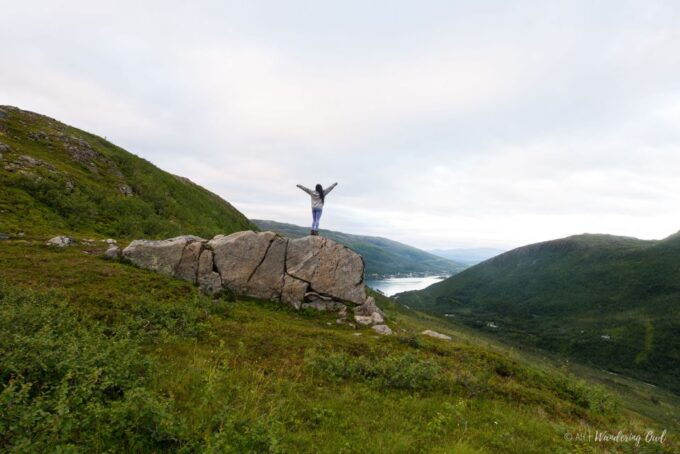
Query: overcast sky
x,y
446,124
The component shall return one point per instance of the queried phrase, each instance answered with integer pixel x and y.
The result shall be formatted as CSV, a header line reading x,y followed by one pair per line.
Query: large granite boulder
x,y
309,272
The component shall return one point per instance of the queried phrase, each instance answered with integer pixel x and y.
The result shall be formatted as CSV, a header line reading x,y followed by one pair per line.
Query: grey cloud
x,y
446,123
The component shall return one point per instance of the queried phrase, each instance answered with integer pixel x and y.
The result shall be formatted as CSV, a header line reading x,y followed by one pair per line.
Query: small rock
x,y
110,241
363,319
356,334
374,319
60,241
112,253
382,329
368,307
30,160
429,332
125,190
377,318
4,236
21,234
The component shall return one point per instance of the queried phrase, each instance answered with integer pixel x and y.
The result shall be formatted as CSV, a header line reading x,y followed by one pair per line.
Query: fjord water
x,y
393,285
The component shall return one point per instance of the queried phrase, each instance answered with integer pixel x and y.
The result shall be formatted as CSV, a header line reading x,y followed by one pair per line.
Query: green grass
x,y
563,296
101,356
383,257
76,187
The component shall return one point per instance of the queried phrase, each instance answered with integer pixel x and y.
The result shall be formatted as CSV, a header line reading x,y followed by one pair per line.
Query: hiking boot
x,y
312,232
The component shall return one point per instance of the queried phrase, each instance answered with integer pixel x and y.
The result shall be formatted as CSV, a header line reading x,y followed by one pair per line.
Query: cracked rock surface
x,y
309,272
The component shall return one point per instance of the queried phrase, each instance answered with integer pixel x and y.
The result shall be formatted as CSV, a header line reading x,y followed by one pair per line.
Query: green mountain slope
x,y
100,356
609,301
382,256
55,178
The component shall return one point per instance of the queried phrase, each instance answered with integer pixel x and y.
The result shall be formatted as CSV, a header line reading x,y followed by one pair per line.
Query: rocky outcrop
x,y
310,272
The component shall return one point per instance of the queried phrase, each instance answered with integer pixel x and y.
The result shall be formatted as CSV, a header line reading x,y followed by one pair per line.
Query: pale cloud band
x,y
447,124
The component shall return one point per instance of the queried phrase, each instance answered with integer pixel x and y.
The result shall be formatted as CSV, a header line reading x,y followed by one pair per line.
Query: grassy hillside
x,y
612,302
101,356
55,178
382,256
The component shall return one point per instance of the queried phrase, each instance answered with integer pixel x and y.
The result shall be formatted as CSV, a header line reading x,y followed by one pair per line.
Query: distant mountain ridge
x,y
606,300
383,257
469,256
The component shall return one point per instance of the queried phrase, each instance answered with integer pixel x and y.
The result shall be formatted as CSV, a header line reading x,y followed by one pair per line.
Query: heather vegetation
x,y
102,356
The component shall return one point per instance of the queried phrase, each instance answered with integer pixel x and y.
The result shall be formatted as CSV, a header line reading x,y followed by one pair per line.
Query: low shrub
x,y
68,384
397,370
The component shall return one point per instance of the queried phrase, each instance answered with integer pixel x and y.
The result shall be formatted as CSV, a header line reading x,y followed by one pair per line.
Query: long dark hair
x,y
319,190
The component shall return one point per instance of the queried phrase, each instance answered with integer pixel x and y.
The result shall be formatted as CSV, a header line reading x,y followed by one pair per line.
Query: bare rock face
x,y
294,291
162,256
208,279
329,267
266,282
310,272
187,268
238,255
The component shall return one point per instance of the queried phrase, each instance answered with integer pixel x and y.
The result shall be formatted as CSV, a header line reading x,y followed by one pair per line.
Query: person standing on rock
x,y
318,198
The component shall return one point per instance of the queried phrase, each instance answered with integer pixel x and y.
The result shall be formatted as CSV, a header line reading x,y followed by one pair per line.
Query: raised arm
x,y
308,191
329,188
